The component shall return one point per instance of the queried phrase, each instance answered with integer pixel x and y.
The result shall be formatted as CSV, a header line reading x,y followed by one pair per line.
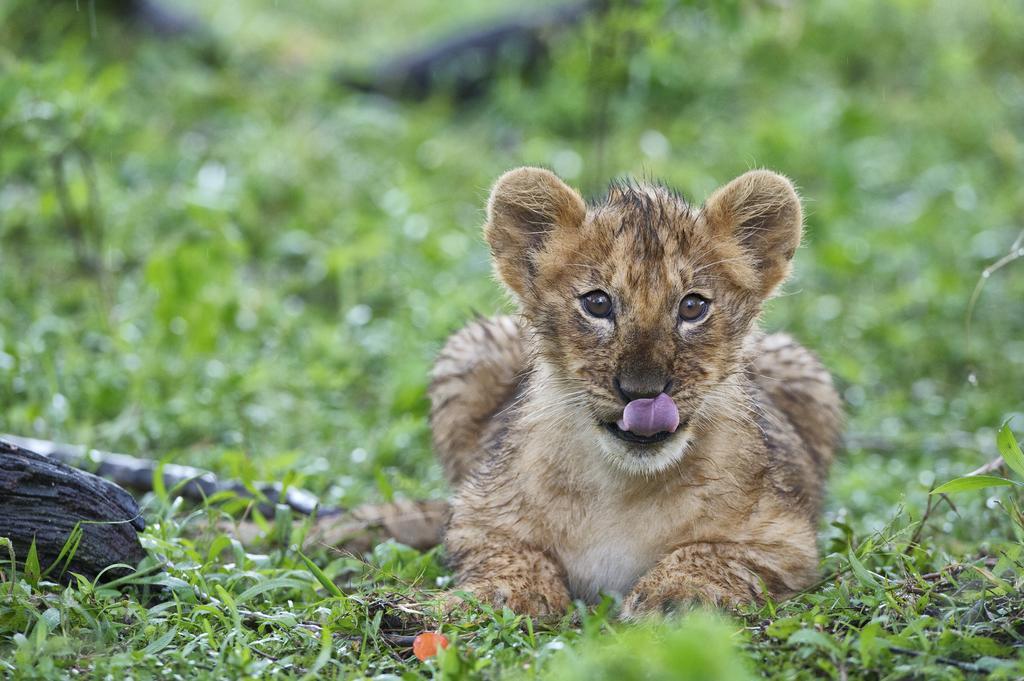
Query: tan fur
x,y
419,524
474,377
548,504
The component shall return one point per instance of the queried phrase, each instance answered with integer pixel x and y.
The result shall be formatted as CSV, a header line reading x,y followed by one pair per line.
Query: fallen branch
x,y
992,466
194,484
467,63
419,524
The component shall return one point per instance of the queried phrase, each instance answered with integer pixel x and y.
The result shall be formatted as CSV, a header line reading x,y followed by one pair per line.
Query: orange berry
x,y
427,644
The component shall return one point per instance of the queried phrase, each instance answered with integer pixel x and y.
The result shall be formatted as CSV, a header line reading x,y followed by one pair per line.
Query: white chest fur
x,y
610,560
609,554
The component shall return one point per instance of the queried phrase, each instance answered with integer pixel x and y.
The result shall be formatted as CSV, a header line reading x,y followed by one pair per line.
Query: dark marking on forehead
x,y
648,214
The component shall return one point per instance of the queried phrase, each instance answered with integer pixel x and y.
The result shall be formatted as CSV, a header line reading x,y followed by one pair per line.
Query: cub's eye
x,y
693,308
597,303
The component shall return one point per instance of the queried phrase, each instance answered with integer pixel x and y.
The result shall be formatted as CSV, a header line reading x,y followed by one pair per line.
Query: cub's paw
x,y
648,599
534,600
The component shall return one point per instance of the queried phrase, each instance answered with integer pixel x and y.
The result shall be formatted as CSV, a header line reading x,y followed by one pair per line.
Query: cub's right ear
x,y
526,207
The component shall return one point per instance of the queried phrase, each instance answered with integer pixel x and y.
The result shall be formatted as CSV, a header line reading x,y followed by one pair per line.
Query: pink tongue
x,y
648,417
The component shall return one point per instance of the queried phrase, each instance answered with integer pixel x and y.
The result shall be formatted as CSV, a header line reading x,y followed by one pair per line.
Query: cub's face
x,y
642,297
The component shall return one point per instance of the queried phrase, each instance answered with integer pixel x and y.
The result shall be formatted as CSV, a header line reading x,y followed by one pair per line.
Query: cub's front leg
x,y
722,574
503,571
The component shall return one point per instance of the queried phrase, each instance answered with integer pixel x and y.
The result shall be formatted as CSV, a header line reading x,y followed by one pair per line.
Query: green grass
x,y
210,253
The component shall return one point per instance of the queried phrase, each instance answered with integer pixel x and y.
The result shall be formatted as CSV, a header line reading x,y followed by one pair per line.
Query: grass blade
x,y
160,643
67,552
972,482
1010,450
32,571
324,580
864,576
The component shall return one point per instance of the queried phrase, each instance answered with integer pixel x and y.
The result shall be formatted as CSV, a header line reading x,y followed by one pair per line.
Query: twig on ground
x,y
993,465
195,484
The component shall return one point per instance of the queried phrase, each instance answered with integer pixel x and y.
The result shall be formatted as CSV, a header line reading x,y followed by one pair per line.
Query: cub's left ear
x,y
759,212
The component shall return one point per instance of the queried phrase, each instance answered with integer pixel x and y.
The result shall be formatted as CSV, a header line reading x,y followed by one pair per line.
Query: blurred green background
x,y
210,250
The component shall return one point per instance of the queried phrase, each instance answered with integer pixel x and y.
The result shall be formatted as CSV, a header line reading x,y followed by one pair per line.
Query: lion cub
x,y
632,432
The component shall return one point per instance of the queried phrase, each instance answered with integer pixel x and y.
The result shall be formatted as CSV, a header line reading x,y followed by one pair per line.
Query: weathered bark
x,y
43,500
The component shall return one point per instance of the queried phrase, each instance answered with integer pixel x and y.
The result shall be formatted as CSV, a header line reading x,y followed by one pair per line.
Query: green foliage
x,y
33,573
964,484
1010,451
211,253
324,580
698,648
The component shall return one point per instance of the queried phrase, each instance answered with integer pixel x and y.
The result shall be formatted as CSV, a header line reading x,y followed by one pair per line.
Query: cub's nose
x,y
640,387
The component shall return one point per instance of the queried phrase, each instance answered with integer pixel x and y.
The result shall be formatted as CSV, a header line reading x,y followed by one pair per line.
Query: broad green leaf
x,y
324,580
1010,450
41,631
815,638
51,618
864,576
784,627
159,644
972,482
32,571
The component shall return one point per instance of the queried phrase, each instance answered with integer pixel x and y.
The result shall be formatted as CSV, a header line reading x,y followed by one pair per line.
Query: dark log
x,y
466,63
157,17
419,524
44,500
194,484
